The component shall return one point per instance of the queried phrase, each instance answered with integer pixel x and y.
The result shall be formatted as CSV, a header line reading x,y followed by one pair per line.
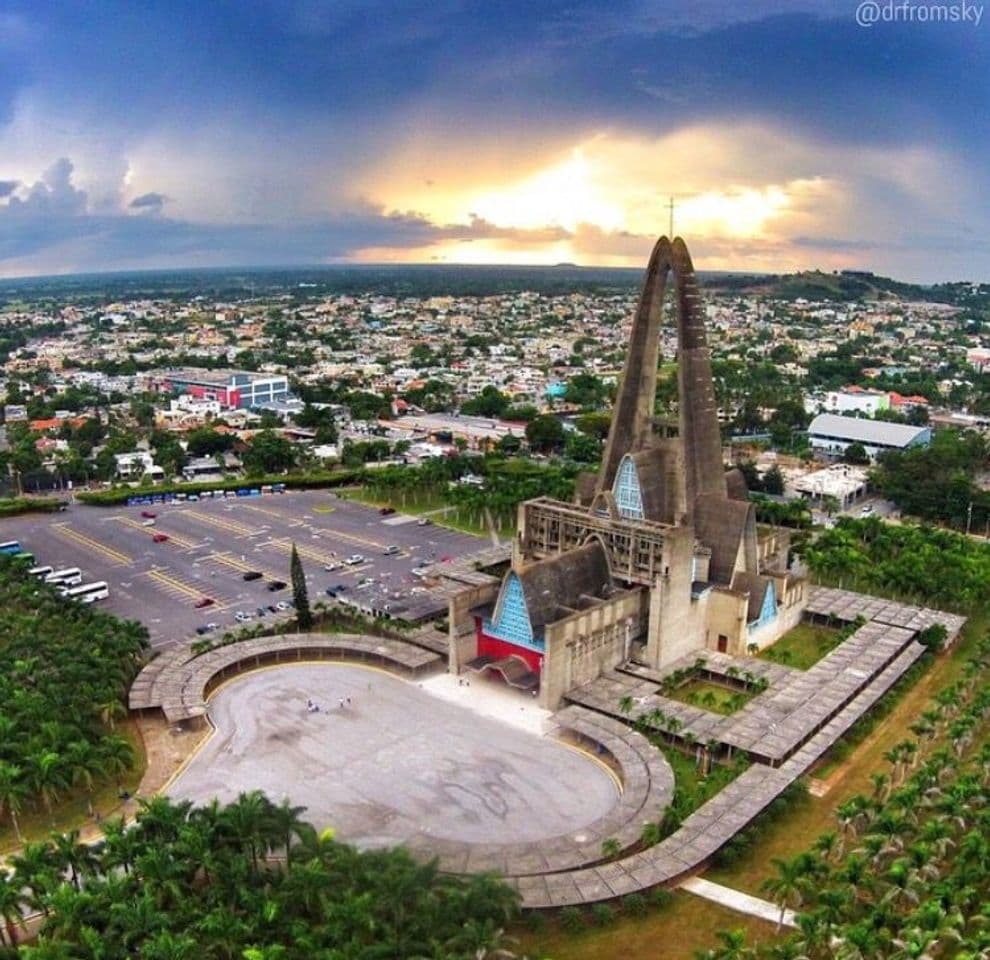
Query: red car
x,y
149,514
160,537
204,602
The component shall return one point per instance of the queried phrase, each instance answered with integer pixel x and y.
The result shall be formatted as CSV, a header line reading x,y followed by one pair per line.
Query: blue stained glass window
x,y
511,622
628,497
769,609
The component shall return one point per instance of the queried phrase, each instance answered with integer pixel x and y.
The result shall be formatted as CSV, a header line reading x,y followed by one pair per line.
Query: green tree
x,y
491,402
773,481
269,453
856,453
300,595
545,434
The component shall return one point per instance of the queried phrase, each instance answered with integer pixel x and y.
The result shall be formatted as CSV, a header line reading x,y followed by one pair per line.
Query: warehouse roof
x,y
876,432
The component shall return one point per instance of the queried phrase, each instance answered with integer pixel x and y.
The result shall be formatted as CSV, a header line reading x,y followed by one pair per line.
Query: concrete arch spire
x,y
632,417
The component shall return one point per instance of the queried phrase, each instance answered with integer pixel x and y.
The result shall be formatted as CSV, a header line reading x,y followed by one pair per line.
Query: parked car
x,y
867,510
354,559
272,608
391,550
202,630
330,567
387,511
160,538
148,523
253,575
242,617
204,602
261,611
277,585
211,626
423,522
149,514
281,605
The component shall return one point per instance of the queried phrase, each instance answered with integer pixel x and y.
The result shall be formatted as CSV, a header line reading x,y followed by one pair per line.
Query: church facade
x,y
658,558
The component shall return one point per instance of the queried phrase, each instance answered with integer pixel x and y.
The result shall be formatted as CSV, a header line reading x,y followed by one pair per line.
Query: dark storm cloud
x,y
381,69
149,201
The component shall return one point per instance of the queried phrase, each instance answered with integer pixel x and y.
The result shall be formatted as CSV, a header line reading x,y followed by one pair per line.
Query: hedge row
x,y
293,481
10,507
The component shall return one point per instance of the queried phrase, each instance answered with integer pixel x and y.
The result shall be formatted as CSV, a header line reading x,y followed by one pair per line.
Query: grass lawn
x,y
425,502
671,932
72,812
710,696
803,646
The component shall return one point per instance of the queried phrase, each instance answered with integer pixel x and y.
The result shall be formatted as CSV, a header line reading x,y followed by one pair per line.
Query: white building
x,y
133,466
831,434
850,400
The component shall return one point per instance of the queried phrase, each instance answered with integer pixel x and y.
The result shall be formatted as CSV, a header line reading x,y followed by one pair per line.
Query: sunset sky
x,y
257,132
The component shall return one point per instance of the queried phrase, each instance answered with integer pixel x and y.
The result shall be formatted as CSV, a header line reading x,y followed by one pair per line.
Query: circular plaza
x,y
384,762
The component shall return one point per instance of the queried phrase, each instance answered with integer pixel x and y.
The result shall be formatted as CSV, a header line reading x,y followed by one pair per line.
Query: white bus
x,y
39,571
66,577
88,592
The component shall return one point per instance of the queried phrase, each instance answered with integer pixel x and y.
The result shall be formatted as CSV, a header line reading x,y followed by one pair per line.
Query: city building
x,y
658,558
852,400
133,466
232,389
831,435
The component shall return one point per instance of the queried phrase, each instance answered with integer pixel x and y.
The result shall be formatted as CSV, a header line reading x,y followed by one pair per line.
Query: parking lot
x,y
159,568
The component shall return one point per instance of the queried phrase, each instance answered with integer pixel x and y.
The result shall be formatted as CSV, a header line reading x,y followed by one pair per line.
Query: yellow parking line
x,y
171,584
240,565
231,526
115,556
266,510
151,531
364,542
304,551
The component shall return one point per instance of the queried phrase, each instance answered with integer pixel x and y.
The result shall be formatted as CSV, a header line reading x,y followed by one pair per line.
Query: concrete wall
x,y
463,639
676,625
727,611
584,644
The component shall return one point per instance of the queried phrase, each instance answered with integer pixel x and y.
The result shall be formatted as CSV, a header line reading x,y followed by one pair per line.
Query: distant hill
x,y
844,286
424,280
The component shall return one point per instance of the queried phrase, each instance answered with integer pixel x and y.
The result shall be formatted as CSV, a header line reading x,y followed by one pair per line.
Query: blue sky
x,y
302,131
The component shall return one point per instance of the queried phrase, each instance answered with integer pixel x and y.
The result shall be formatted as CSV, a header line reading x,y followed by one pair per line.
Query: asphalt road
x,y
212,543
387,767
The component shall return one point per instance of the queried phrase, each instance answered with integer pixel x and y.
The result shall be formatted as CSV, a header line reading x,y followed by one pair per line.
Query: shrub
x,y
602,914
572,919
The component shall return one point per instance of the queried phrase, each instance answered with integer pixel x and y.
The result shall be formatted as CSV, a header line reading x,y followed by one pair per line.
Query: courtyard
x,y
392,765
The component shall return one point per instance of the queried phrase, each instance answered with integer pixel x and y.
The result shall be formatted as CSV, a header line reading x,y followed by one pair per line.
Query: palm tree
x,y
287,822
12,794
85,765
48,775
733,946
788,886
11,906
72,855
116,755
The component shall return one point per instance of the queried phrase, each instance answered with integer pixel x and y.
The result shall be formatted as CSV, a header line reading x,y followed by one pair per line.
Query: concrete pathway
x,y
738,901
490,698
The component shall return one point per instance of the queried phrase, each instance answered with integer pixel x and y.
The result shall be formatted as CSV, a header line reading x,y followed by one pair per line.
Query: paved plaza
x,y
394,765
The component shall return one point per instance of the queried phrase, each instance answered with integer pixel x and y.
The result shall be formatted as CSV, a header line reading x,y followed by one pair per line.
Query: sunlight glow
x,y
564,195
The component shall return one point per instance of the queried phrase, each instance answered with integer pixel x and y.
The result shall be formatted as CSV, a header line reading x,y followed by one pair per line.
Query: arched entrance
x,y
512,670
